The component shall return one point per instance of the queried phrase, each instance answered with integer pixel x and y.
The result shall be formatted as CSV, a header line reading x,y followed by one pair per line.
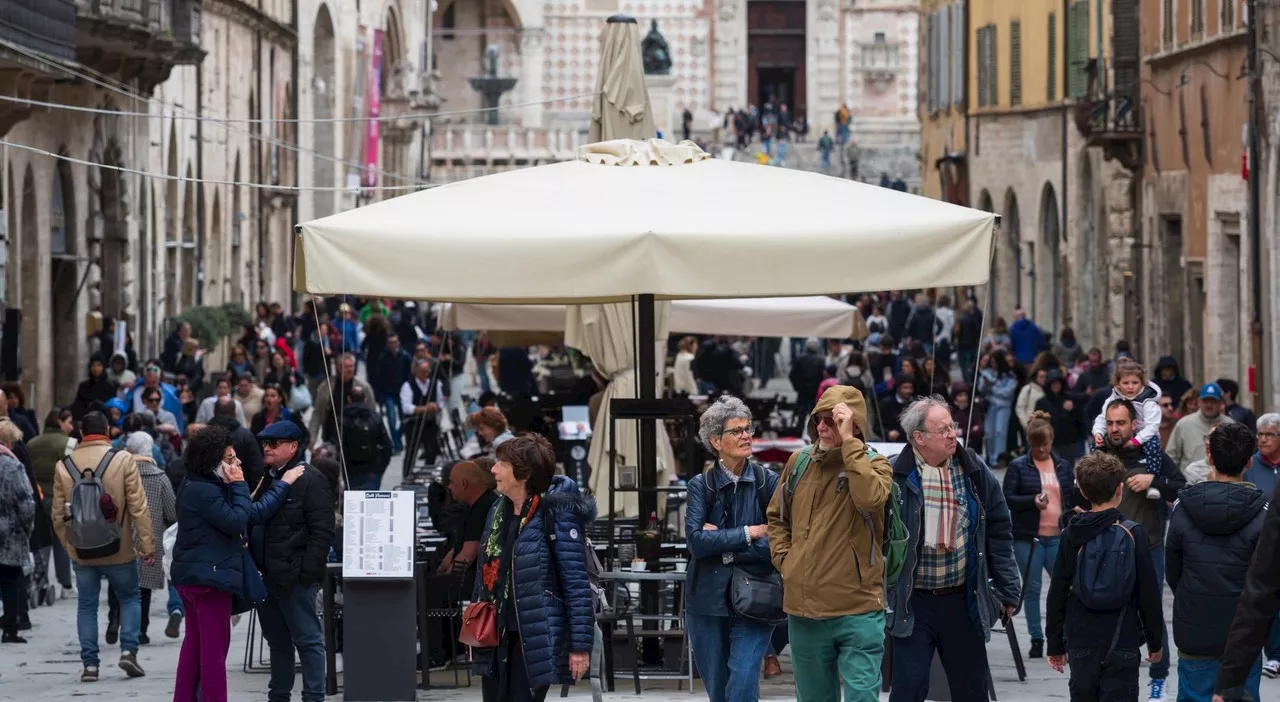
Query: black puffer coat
x,y
1213,531
292,548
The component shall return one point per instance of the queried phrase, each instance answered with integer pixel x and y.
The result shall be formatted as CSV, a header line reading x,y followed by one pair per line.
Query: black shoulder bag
x,y
752,596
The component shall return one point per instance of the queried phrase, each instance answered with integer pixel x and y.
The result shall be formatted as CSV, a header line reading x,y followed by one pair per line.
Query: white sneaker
x,y
1153,494
1271,669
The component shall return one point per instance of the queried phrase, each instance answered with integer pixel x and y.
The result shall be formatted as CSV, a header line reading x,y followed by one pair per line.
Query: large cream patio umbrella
x,y
606,333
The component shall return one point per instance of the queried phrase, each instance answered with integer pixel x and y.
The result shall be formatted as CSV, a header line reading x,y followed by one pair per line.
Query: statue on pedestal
x,y
656,53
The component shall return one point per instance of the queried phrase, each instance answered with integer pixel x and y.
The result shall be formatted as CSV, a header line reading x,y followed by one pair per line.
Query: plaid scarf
x,y
497,559
941,510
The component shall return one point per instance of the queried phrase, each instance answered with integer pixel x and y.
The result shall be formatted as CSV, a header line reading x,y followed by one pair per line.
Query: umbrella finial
x,y
621,19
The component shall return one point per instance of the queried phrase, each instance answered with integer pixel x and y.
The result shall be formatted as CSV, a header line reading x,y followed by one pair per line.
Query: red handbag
x,y
479,625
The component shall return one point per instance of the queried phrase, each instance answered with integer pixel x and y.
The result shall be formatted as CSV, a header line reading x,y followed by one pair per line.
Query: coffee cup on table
x,y
638,566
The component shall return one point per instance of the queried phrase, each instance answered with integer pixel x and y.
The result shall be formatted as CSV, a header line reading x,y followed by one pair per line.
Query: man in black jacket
x,y
1212,534
807,373
366,445
291,549
247,448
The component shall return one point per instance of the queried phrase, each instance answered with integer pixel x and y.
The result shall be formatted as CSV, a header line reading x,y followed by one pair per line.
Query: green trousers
x,y
828,652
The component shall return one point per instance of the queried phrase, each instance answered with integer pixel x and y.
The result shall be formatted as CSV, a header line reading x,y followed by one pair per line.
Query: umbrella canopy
x,y
815,315
630,217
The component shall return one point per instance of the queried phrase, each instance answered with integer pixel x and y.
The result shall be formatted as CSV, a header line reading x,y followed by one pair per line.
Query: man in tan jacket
x,y
825,526
124,501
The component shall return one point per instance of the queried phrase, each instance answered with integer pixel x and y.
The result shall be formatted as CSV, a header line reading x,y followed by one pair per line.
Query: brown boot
x,y
772,668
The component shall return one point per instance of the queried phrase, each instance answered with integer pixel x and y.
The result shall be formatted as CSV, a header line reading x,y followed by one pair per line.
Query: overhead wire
x,y
210,181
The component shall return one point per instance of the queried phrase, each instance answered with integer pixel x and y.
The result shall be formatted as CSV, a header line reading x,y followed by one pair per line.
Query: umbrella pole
x,y
646,371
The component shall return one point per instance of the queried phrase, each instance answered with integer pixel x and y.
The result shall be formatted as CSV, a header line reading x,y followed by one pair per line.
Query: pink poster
x,y
375,111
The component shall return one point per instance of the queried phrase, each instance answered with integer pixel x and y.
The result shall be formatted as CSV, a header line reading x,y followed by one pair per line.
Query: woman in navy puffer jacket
x,y
214,512
535,574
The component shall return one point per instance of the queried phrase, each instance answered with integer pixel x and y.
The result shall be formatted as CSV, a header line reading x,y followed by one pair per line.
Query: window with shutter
x,y
1166,24
944,58
958,56
1077,49
1051,80
1197,18
980,65
993,84
930,66
1015,63
1228,16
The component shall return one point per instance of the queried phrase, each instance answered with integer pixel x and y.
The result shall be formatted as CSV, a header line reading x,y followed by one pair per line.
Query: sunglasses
x,y
272,443
151,400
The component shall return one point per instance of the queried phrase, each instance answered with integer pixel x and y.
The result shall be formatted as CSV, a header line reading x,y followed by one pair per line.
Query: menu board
x,y
378,535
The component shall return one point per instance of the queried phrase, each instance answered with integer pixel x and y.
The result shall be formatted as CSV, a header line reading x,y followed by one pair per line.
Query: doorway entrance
x,y
775,53
777,83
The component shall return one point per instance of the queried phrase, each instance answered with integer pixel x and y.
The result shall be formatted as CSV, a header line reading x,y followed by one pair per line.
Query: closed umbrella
x,y
606,333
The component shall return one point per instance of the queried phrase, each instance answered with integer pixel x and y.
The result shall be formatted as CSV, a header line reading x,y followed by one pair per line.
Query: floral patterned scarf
x,y
497,559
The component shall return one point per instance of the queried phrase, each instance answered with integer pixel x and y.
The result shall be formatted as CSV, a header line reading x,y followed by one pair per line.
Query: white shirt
x,y
205,412
406,395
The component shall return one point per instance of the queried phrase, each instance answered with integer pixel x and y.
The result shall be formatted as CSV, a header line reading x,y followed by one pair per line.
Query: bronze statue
x,y
656,53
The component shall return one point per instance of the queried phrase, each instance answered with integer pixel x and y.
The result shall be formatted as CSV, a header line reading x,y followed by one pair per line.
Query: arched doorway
x,y
215,278
325,137
237,233
776,53
1048,306
30,282
1009,259
188,251
172,237
64,279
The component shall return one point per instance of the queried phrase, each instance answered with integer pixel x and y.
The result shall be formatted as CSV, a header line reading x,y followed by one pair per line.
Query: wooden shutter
x,y
959,57
931,66
993,63
1015,63
1077,49
980,65
1051,80
944,57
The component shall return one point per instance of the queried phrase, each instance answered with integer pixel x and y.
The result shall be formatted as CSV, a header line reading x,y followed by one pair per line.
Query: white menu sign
x,y
378,535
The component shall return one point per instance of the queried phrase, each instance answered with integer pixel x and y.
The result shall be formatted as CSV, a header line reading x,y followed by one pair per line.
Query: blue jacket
x,y
1263,475
389,371
552,593
709,576
992,577
212,520
1027,341
168,400
998,390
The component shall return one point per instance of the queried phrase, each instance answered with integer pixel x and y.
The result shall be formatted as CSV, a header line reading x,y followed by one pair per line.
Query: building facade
x,y
1038,89
1194,191
943,104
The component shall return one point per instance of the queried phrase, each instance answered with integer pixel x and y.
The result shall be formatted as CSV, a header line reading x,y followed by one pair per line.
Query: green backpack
x,y
893,542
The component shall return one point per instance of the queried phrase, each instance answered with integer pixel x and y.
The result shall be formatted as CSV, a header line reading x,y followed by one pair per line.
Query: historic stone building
x,y
813,55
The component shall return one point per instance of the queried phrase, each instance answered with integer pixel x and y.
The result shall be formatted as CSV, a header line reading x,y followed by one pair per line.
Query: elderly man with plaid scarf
x,y
960,573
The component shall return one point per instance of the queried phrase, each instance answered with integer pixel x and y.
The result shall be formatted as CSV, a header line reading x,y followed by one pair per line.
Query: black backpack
x,y
361,430
1107,569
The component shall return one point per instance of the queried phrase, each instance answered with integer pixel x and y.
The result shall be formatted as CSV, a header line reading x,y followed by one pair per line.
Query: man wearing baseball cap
x,y
1186,443
291,549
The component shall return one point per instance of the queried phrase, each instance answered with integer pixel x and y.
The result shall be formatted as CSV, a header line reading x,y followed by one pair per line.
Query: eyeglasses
x,y
949,430
826,419
151,400
739,432
1268,435
153,369
230,460
1166,405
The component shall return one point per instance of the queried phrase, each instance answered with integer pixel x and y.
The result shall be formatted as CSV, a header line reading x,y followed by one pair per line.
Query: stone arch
x,y
64,277
1009,258
29,282
1048,263
325,134
187,257
392,47
236,274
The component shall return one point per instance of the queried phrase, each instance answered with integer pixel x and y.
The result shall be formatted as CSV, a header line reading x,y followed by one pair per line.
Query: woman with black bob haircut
x,y
214,514
533,569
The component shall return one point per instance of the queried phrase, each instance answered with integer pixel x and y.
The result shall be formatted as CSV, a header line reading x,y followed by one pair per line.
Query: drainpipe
x,y
200,214
259,159
1255,211
297,137
1056,266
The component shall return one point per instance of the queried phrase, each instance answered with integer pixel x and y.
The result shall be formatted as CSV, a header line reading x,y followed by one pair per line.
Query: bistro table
x,y
629,618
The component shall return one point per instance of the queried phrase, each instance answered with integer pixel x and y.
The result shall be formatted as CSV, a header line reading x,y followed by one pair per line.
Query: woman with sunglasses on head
x,y
727,529
214,514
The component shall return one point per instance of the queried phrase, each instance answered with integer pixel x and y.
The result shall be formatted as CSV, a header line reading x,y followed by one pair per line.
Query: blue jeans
x,y
174,606
123,580
997,430
1196,679
367,481
288,622
1042,560
391,408
728,651
1160,670
1272,649
826,160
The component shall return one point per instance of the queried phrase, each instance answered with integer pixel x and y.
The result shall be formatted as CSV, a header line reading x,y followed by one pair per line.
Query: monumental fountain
x,y
490,86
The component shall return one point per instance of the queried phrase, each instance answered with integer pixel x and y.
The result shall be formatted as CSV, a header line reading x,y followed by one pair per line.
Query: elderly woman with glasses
x,y
727,530
1264,468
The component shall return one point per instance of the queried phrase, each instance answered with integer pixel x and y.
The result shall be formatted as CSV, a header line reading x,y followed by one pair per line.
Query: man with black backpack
x,y
1104,600
366,444
98,505
831,537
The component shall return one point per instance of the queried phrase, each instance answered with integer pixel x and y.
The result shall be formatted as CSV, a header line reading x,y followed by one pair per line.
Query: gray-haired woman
x,y
727,530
